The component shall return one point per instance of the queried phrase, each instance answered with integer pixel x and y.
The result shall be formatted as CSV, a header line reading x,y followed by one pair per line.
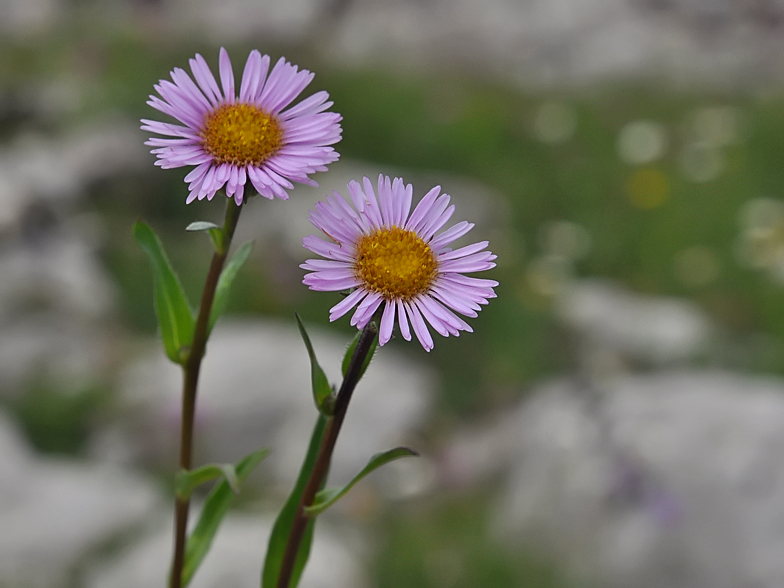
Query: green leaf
x,y
350,353
175,317
201,226
215,508
217,234
330,496
227,279
322,392
188,480
280,530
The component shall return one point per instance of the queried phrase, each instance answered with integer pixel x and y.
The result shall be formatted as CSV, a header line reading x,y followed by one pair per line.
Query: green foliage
x,y
216,233
446,541
350,352
280,530
215,508
188,480
175,317
226,279
330,496
322,392
57,421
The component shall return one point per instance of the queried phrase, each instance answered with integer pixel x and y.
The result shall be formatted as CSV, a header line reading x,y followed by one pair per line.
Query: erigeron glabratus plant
x,y
396,266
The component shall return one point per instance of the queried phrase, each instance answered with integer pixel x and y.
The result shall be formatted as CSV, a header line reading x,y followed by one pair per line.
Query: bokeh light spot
x,y
555,122
701,162
641,141
648,188
565,239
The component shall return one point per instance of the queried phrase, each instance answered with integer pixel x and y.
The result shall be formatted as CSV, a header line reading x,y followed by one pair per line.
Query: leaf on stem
x,y
350,353
322,392
227,279
175,317
188,480
215,508
280,530
217,234
330,496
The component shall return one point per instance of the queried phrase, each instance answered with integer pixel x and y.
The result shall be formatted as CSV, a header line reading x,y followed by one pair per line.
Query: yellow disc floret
x,y
396,263
241,134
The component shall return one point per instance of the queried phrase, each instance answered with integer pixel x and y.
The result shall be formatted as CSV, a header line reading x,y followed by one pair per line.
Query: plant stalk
x,y
191,368
326,448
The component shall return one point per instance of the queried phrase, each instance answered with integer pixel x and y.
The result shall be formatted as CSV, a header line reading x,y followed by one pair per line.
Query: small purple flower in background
x,y
388,256
232,139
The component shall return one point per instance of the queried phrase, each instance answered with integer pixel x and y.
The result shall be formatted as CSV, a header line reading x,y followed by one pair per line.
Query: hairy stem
x,y
190,381
326,448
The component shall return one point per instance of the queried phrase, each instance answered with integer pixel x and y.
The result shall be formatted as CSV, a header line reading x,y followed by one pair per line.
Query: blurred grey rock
x,y
29,17
652,329
52,351
281,20
53,512
532,43
234,560
673,479
568,42
254,391
55,297
55,170
58,273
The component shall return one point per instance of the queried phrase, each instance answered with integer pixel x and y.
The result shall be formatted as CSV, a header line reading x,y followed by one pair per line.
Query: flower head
x,y
392,256
232,139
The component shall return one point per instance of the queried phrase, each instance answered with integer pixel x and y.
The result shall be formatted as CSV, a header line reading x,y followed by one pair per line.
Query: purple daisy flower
x,y
391,257
232,139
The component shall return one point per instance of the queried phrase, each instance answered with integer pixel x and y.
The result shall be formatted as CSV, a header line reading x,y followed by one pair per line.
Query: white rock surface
x,y
255,392
234,560
532,43
672,479
56,170
652,329
60,273
561,42
55,352
55,297
536,42
54,511
218,19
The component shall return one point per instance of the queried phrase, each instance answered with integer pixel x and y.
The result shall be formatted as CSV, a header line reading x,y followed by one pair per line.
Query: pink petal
x,y
387,323
226,75
420,328
403,321
346,304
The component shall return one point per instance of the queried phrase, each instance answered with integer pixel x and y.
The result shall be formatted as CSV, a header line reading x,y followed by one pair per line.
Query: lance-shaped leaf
x,y
330,496
188,480
350,353
175,317
280,530
217,234
227,279
215,508
321,390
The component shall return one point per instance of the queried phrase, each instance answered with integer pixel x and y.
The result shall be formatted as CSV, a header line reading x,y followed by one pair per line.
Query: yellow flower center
x,y
241,134
395,262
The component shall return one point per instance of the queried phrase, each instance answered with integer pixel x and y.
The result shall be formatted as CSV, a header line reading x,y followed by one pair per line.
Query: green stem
x,y
326,448
191,369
